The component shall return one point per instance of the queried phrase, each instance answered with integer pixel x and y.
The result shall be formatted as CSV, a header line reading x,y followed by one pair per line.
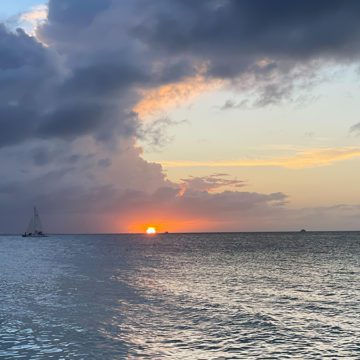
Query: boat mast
x,y
37,221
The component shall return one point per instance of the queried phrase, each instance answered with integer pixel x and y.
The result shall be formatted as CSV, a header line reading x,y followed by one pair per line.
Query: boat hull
x,y
33,236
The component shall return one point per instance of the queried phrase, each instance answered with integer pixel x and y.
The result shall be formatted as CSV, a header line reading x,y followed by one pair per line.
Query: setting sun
x,y
151,230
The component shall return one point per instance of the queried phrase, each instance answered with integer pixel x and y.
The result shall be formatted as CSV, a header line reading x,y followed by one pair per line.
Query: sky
x,y
216,115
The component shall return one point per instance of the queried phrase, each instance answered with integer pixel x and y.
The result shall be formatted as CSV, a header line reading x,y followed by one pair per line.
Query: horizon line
x,y
190,232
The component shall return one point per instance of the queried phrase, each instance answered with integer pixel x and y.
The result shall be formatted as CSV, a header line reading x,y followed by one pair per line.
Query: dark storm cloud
x,y
84,82
269,47
26,68
103,80
73,121
19,50
16,124
41,100
173,71
76,12
232,32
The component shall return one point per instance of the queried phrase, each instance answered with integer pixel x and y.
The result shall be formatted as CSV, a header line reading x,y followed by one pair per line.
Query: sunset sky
x,y
217,115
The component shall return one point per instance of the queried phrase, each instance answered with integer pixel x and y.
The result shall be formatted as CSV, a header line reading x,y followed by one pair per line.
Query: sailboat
x,y
35,228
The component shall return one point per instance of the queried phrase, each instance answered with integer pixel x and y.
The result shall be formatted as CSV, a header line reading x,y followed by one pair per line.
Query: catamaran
x,y
35,228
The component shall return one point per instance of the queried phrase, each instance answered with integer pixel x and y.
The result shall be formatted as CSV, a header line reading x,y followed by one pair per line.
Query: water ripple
x,y
195,296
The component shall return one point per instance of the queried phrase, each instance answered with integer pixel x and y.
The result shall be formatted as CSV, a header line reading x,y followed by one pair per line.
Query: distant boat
x,y
34,228
302,230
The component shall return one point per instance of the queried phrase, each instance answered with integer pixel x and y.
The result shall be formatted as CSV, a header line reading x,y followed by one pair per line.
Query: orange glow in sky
x,y
165,224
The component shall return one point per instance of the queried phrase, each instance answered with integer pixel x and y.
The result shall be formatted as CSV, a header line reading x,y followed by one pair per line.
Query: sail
x,y
35,226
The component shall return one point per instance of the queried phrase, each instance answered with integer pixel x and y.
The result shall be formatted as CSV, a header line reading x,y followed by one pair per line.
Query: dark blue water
x,y
175,296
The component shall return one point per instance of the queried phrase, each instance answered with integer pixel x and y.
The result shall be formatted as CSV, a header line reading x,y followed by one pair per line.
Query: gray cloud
x,y
78,119
297,30
274,47
26,70
67,129
18,50
79,13
156,132
102,80
43,156
104,163
211,182
231,104
84,83
355,129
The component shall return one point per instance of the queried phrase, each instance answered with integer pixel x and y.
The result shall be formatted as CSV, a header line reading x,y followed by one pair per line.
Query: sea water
x,y
181,296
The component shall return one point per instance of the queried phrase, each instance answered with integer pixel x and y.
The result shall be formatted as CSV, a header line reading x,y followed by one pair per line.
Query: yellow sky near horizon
x,y
305,150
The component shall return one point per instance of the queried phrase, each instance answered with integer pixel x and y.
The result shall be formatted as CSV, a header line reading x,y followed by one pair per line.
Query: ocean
x,y
181,296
